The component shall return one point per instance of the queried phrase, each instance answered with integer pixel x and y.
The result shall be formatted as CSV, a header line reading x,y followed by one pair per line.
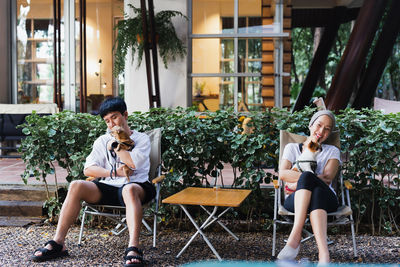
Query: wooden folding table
x,y
215,197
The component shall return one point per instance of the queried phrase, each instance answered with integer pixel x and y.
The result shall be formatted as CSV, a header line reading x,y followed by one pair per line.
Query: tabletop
x,y
224,197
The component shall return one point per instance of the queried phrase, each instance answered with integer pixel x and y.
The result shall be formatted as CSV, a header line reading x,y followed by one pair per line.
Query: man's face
x,y
115,118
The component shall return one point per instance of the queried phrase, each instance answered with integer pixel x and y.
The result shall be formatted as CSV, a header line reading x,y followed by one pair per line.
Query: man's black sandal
x,y
55,252
138,257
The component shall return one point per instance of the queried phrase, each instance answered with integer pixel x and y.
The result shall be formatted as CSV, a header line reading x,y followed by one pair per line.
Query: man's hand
x,y
121,171
112,144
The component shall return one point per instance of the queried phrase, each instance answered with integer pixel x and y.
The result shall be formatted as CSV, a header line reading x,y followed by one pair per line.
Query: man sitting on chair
x,y
105,161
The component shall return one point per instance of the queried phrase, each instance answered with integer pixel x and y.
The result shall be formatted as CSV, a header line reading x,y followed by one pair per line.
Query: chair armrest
x,y
348,184
276,183
158,179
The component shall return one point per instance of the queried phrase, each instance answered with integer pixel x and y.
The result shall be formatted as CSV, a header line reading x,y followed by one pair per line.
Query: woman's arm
x,y
286,174
330,171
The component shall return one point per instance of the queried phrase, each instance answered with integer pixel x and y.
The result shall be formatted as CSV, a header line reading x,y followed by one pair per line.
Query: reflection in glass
x,y
226,93
205,93
45,93
41,28
44,49
44,71
207,15
34,51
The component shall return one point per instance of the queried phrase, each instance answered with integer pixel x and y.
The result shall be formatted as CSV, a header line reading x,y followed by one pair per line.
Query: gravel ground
x,y
102,249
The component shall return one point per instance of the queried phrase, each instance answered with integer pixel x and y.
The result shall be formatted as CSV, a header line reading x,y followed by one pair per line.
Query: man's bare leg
x,y
78,190
133,195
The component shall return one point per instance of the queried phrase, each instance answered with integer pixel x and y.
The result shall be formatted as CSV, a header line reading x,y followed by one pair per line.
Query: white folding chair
x,y
386,106
117,213
343,215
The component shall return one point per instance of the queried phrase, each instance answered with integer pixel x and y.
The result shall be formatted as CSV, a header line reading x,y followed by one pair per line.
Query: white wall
x,y
173,81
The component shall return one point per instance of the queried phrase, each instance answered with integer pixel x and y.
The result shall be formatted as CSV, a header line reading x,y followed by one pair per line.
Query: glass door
x,y
54,64
35,52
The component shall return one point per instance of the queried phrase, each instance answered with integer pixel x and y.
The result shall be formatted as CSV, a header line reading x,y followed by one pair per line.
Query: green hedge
x,y
195,147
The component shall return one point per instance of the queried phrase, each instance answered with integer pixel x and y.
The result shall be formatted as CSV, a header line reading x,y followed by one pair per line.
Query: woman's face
x,y
321,129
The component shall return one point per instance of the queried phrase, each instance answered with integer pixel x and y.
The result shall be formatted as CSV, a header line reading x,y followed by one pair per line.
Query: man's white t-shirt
x,y
140,155
292,152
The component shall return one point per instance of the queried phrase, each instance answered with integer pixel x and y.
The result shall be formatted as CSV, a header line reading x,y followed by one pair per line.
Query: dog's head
x,y
119,134
312,146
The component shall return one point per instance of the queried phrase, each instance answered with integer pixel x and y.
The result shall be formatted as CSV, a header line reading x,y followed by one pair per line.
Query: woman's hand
x,y
286,174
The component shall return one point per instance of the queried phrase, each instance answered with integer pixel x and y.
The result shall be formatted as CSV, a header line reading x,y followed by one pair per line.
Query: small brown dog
x,y
124,142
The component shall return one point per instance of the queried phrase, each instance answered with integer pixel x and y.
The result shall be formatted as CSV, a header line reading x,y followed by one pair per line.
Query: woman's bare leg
x,y
301,203
318,219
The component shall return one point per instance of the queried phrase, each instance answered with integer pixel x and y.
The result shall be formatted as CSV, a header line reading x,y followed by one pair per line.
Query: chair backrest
x,y
386,106
155,151
287,137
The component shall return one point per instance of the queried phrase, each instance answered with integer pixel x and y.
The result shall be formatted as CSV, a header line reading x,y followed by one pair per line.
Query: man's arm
x,y
96,171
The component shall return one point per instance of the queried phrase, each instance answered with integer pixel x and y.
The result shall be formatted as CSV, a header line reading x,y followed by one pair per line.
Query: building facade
x,y
61,52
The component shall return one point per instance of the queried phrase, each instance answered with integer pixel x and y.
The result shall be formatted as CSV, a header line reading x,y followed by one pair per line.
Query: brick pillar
x,y
267,71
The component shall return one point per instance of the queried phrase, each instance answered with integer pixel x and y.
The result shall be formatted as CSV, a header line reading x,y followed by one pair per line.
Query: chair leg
x,y
154,230
82,226
146,225
155,215
116,230
274,240
353,237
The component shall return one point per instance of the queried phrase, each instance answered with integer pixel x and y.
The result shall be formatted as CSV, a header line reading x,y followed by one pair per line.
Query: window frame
x,y
278,54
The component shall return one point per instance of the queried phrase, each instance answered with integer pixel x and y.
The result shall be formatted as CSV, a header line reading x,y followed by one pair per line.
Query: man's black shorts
x,y
111,195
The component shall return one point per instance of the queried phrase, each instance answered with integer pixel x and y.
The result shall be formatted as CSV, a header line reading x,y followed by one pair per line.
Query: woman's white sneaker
x,y
288,253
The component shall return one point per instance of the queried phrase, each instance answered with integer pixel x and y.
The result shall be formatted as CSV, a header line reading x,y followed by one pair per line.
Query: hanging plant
x,y
130,36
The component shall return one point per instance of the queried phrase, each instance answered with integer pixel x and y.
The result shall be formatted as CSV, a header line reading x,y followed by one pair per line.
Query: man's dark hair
x,y
111,105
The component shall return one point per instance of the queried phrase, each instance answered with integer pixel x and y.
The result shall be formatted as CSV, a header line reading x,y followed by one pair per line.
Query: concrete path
x,y
11,170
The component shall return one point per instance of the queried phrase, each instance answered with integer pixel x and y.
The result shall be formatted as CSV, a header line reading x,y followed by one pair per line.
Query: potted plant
x,y
130,36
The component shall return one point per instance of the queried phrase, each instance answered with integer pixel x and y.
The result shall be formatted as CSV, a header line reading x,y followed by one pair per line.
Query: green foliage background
x,y
196,147
303,47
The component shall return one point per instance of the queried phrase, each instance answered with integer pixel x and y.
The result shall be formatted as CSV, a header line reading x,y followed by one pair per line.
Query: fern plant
x,y
130,36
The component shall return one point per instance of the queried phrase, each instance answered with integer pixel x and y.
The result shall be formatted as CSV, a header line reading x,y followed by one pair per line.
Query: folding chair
x,y
386,106
343,215
117,213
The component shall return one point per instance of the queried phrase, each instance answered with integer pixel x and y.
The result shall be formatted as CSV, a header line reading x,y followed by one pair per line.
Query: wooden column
x,y
267,71
354,55
380,56
319,61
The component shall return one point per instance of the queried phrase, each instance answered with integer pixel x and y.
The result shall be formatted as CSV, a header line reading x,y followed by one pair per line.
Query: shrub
x,y
196,146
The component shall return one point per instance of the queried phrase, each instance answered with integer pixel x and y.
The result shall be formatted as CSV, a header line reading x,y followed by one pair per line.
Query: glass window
x,y
215,56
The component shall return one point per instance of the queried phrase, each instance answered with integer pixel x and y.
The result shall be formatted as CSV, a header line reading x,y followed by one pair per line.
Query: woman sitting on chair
x,y
311,193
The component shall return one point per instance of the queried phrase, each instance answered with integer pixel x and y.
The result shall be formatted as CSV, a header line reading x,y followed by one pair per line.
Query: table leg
x,y
216,218
199,231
